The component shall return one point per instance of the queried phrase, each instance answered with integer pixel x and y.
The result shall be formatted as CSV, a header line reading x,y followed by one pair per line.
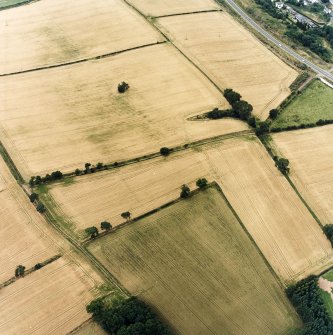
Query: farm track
x,y
80,60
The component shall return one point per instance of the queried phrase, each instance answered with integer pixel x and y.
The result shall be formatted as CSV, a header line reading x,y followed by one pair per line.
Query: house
x,y
279,5
327,10
304,20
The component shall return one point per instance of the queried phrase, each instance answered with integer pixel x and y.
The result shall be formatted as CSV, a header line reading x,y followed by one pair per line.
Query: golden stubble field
x,y
280,224
232,57
21,238
75,114
51,300
51,32
194,263
169,7
310,152
48,301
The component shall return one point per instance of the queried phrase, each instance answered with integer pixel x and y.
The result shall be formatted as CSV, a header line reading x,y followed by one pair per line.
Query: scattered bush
x,y
123,87
202,182
127,317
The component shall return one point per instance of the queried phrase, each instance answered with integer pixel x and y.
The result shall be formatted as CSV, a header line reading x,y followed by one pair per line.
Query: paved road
x,y
279,44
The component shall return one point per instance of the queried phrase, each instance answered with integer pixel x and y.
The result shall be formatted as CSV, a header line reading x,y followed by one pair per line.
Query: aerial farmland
x,y
156,173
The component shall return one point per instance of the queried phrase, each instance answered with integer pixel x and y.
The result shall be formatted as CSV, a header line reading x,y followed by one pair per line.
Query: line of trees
x,y
127,317
241,109
38,180
306,298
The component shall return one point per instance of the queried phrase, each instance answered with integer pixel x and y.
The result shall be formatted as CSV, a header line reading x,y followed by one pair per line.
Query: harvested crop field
x,y
314,103
90,328
169,7
47,33
21,238
78,116
194,263
261,196
51,300
310,153
232,57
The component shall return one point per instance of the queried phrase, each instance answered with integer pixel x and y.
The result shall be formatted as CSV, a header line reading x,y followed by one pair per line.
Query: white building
x,y
279,5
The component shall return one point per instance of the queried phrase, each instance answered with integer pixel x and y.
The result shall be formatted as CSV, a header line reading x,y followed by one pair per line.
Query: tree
x,y
77,172
328,230
32,181
40,207
38,180
87,167
164,151
123,87
106,225
38,266
252,122
273,113
231,96
242,109
185,191
282,164
126,216
19,271
262,128
201,182
99,165
92,231
33,197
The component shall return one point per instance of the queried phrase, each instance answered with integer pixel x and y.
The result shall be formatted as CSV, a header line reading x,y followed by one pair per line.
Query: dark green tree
x,y
33,197
231,96
106,225
40,207
282,164
19,271
202,182
242,109
185,191
78,172
164,151
126,215
92,231
273,113
123,87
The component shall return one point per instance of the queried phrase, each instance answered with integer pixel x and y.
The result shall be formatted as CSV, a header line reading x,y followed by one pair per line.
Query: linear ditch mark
x,y
81,60
29,271
189,13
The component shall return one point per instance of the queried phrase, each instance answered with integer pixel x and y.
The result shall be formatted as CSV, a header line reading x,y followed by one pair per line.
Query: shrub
x,y
19,271
77,172
273,113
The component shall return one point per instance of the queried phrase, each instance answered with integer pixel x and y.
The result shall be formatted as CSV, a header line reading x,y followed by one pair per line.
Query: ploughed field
x,y
310,153
51,300
75,114
278,221
168,7
232,57
195,264
51,32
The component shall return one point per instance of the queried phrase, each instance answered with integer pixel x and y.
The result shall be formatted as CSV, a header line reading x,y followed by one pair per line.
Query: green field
x,y
325,295
313,104
195,264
